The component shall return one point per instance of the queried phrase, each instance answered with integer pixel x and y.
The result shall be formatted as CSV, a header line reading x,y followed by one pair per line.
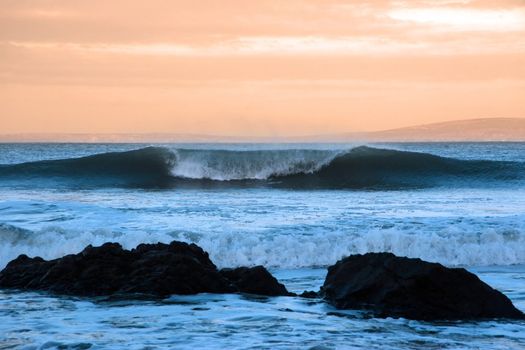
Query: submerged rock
x,y
254,280
156,269
411,288
309,294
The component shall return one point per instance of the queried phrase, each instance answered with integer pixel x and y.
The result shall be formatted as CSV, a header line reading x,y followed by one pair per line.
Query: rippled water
x,y
245,322
295,232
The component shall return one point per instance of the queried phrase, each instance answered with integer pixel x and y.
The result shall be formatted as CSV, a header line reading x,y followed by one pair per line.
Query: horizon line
x,y
405,134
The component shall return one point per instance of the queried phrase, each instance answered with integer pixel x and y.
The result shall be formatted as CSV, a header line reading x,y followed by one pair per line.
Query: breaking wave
x,y
505,246
359,168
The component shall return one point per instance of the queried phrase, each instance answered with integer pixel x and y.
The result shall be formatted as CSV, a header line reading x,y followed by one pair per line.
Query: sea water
x,y
294,208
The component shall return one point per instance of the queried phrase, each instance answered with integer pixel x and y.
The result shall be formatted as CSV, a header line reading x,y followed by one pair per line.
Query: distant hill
x,y
487,129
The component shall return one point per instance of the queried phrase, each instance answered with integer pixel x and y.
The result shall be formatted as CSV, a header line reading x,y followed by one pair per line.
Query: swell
x,y
366,167
145,167
359,168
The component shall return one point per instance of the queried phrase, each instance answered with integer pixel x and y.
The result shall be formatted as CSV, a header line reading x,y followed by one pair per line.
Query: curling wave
x,y
359,168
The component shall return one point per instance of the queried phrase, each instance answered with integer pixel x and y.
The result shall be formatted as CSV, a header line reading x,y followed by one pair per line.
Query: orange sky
x,y
262,68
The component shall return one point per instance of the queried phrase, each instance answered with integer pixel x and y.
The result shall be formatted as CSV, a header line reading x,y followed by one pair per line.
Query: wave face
x,y
366,167
145,167
359,168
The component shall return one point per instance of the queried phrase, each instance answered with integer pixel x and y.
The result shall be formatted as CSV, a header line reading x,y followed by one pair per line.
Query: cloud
x,y
295,45
461,19
300,65
294,27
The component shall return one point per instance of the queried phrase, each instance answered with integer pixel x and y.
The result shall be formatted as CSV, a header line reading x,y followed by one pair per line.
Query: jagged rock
x,y
156,269
254,280
380,282
309,294
411,288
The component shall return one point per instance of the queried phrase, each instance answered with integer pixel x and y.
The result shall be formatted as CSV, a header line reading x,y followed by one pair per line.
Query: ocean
x,y
294,208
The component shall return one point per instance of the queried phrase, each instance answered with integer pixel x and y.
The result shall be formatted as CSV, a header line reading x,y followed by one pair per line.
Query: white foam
x,y
224,165
491,247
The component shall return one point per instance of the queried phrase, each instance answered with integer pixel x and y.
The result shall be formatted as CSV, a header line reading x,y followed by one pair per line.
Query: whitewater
x,y
295,208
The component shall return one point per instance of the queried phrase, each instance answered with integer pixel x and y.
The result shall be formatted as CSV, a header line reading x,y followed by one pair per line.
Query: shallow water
x,y
296,232
36,320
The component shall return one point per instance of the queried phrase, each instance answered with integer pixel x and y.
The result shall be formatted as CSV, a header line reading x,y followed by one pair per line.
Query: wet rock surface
x,y
387,285
254,280
156,269
402,287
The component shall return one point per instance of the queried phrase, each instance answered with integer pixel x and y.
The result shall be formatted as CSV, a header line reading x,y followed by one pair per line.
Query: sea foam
x,y
453,248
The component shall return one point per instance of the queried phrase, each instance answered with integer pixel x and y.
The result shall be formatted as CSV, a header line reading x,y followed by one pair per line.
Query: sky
x,y
261,68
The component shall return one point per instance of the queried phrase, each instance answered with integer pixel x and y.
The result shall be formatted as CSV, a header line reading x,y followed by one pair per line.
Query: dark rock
x,y
309,294
411,288
153,269
381,282
254,280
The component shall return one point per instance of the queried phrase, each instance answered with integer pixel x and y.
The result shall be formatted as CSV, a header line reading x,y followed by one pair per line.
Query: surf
x,y
471,246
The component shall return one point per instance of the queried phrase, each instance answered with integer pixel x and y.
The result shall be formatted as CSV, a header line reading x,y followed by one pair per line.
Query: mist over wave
x,y
359,168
